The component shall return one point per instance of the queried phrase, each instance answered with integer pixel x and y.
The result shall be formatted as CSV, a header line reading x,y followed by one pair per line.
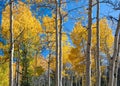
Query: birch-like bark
x,y
112,62
71,80
80,80
88,54
118,81
117,64
57,45
11,45
98,78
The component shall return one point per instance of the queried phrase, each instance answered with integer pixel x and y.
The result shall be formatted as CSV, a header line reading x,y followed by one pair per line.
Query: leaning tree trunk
x,y
88,54
117,64
57,45
112,62
98,78
11,45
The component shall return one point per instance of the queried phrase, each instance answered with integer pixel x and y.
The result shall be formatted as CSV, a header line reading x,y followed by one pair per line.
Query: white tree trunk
x,y
112,62
88,54
79,81
117,64
71,80
11,46
57,45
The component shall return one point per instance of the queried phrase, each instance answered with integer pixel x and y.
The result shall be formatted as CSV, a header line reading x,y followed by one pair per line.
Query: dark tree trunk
x,y
98,78
60,45
18,68
88,53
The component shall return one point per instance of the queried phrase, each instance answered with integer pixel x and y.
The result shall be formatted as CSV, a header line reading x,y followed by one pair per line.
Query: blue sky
x,y
68,26
2,3
105,10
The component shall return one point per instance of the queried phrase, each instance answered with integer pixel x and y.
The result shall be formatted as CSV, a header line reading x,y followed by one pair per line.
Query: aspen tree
x,y
88,53
98,77
11,45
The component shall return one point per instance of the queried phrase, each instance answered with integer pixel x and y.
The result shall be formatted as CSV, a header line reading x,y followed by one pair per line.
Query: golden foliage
x,y
23,22
38,65
79,39
4,74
